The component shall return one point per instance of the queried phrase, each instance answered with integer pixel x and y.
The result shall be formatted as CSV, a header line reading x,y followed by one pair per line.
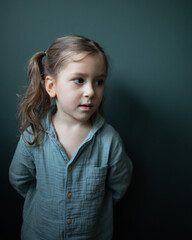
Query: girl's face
x,y
78,88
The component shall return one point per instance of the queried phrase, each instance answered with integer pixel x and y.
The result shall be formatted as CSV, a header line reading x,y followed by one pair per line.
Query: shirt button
x,y
69,195
69,221
69,168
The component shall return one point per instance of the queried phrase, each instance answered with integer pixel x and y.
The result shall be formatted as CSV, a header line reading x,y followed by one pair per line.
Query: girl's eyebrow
x,y
86,75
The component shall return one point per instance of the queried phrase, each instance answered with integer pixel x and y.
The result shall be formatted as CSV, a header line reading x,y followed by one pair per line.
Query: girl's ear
x,y
50,86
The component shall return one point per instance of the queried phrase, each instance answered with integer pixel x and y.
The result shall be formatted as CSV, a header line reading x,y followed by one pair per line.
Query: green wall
x,y
148,100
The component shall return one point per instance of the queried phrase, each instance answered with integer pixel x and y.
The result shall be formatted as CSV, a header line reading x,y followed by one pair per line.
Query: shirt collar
x,y
48,126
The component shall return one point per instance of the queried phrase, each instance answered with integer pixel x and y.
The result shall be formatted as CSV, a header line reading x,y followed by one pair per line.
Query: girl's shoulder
x,y
110,134
109,130
105,129
28,134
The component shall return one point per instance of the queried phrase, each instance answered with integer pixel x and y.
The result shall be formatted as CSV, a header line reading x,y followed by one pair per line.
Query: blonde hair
x,y
35,103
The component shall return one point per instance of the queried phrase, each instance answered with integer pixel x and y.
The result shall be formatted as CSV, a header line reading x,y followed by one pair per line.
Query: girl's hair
x,y
36,102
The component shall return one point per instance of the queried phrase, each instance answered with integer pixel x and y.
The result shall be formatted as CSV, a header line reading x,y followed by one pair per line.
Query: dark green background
x,y
148,100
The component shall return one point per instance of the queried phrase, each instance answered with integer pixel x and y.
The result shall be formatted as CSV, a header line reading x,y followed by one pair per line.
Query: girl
x,y
69,165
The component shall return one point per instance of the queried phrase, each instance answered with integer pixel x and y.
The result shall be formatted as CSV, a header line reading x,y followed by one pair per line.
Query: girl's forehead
x,y
85,57
76,57
84,62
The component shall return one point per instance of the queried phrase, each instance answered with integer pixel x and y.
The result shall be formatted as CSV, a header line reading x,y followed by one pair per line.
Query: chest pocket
x,y
96,183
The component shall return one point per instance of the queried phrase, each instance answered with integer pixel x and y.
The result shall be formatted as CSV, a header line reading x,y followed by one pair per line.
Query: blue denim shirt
x,y
70,199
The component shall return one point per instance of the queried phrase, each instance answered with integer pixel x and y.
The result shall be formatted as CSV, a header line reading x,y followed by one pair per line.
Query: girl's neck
x,y
69,122
70,134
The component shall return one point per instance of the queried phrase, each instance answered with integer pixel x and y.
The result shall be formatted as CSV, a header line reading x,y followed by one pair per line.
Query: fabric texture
x,y
70,199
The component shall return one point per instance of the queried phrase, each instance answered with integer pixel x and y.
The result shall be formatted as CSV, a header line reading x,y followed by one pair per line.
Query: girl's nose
x,y
89,91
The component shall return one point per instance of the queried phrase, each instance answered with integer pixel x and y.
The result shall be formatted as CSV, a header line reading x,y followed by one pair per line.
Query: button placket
x,y
69,168
69,194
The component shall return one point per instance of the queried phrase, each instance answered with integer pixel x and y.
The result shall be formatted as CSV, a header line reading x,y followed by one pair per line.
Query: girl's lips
x,y
86,107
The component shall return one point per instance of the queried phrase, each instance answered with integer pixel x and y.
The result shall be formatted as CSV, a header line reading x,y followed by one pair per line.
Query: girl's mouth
x,y
86,107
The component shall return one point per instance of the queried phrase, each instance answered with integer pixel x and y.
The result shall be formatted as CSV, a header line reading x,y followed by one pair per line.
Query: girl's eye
x,y
78,80
99,82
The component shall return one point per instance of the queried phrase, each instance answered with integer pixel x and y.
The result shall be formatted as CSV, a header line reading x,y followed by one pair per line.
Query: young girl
x,y
69,165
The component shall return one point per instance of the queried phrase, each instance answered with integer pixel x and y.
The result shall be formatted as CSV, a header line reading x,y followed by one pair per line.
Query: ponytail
x,y
36,101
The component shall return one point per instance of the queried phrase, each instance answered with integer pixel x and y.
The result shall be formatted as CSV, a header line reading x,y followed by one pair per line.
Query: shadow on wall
x,y
130,119
157,203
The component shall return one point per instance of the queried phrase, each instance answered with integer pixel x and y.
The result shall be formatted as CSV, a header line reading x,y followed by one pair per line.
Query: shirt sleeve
x,y
22,168
120,171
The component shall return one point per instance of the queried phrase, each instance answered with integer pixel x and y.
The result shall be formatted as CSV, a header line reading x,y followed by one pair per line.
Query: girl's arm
x,y
22,168
120,172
